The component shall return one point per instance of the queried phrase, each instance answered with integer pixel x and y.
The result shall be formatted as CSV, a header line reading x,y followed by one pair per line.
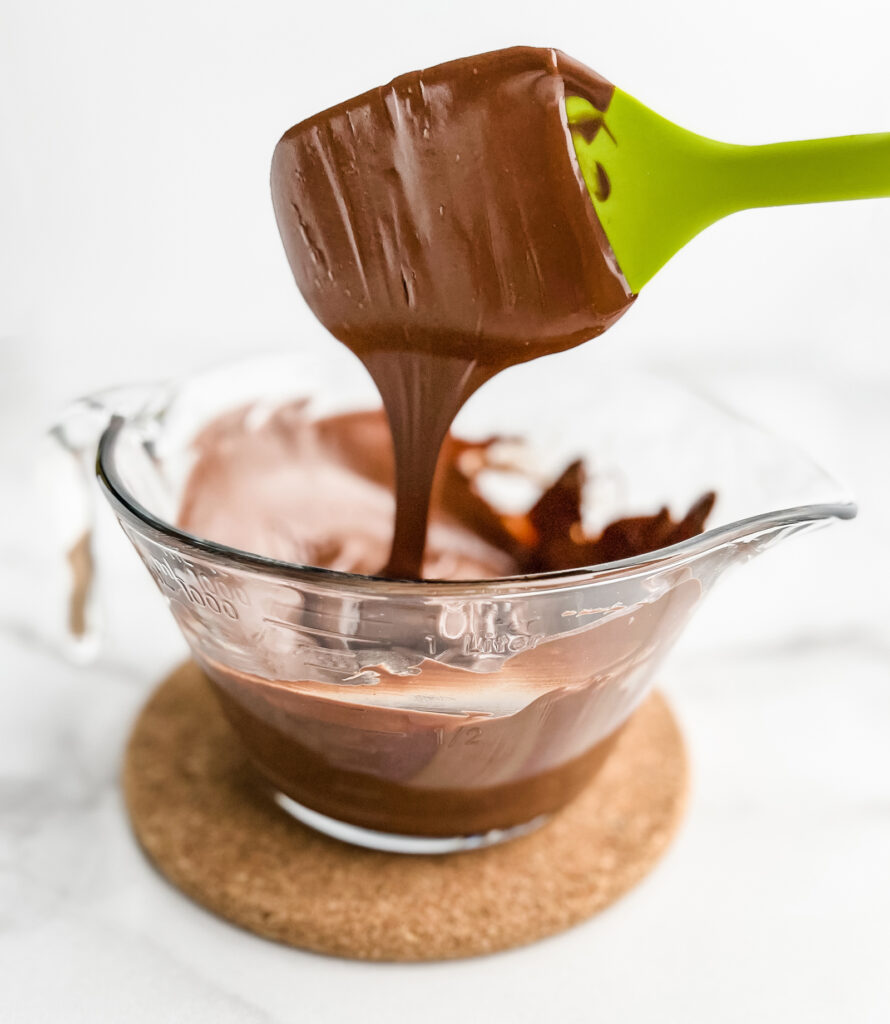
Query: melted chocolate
x,y
384,761
320,492
440,228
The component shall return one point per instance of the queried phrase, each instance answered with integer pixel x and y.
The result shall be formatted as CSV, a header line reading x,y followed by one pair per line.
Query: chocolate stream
x,y
440,228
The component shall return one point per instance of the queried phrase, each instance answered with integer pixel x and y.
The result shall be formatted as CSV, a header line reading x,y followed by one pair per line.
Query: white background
x,y
137,241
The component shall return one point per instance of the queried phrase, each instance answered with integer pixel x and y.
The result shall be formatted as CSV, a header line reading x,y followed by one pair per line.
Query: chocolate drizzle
x,y
440,228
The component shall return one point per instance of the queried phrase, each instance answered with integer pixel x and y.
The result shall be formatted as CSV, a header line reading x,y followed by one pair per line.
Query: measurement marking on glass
x,y
315,631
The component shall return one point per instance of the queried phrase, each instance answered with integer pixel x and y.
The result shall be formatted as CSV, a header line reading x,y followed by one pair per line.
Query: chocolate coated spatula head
x,y
449,206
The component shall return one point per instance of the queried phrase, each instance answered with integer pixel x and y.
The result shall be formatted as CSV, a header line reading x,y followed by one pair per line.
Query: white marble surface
x,y
116,264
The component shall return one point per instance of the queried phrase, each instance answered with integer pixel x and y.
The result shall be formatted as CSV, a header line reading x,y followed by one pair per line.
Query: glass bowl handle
x,y
70,491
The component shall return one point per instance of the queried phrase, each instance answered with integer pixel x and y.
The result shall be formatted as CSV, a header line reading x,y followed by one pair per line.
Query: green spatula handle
x,y
667,184
816,171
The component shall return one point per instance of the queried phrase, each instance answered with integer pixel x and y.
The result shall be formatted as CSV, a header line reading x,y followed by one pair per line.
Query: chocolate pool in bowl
x,y
322,491
460,711
424,755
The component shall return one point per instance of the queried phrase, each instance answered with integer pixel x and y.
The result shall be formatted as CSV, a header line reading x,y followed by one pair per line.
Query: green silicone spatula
x,y
655,185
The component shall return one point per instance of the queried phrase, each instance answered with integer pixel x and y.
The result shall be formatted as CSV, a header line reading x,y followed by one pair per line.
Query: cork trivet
x,y
202,816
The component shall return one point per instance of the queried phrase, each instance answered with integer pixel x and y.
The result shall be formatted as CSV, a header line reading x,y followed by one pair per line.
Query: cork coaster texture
x,y
203,817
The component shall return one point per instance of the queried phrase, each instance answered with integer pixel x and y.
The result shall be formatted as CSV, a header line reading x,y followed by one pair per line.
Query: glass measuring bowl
x,y
426,717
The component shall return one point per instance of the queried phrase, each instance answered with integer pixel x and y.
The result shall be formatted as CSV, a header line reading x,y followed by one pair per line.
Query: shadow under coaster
x,y
204,818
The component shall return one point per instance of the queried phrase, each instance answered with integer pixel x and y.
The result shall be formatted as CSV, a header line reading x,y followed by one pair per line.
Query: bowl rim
x,y
128,507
